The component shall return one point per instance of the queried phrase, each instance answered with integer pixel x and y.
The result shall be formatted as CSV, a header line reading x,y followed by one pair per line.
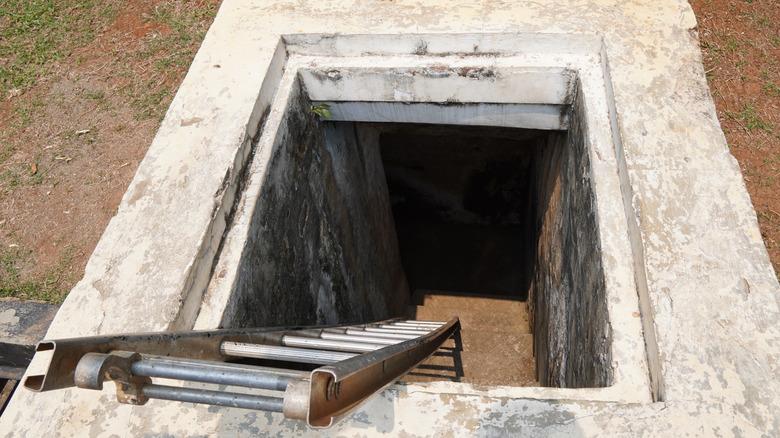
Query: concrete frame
x,y
700,267
539,78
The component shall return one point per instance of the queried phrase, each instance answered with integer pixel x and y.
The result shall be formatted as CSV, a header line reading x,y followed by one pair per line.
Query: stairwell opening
x,y
357,220
466,210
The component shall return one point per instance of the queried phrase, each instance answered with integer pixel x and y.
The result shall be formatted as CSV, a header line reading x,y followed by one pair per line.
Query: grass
x,y
731,44
182,24
150,104
39,41
36,33
751,120
772,89
49,287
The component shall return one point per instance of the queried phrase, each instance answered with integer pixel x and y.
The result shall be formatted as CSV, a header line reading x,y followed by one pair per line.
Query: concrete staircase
x,y
497,346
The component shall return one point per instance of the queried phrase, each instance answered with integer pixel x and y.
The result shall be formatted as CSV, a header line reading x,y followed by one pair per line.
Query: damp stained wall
x,y
567,303
322,246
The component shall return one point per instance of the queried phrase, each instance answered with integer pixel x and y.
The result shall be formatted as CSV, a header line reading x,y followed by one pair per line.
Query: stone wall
x,y
567,298
322,248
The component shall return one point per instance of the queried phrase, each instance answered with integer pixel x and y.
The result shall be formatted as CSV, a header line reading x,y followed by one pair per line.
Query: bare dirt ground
x,y
84,86
85,83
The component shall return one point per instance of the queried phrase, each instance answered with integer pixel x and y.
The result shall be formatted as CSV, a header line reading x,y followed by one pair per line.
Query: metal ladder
x,y
357,361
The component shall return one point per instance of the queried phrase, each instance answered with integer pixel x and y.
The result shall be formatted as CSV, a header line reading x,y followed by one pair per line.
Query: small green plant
x,y
95,95
322,110
732,44
10,179
749,116
48,287
772,89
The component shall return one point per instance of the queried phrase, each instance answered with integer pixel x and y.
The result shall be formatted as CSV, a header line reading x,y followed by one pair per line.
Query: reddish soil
x,y
740,42
88,126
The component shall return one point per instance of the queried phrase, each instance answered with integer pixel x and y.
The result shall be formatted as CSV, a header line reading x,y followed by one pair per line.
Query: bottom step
x,y
494,360
497,347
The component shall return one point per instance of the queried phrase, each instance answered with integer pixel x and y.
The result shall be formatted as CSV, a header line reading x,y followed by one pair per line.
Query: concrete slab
x,y
22,325
707,293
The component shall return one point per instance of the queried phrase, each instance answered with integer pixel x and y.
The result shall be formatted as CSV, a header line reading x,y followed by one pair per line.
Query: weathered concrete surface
x,y
24,322
22,325
706,275
572,335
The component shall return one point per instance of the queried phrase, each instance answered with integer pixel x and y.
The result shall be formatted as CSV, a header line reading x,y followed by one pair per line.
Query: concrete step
x,y
505,360
459,299
497,347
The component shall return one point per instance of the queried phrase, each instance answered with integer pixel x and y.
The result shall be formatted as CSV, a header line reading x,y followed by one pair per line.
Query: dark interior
x,y
463,205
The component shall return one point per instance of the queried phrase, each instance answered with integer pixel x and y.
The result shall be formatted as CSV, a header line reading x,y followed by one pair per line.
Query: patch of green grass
x,y
35,33
10,179
150,105
731,44
712,50
772,89
49,287
21,176
183,25
6,150
188,22
25,111
95,95
751,120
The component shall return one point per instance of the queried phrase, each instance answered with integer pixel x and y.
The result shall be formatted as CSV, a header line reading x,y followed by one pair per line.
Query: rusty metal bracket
x,y
94,368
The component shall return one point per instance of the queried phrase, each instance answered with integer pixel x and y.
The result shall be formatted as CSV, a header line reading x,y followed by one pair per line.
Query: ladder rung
x,y
218,398
388,329
290,354
427,327
211,372
408,328
357,338
328,344
399,336
433,323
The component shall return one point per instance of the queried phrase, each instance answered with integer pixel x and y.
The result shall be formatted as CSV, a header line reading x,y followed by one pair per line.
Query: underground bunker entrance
x,y
466,205
364,221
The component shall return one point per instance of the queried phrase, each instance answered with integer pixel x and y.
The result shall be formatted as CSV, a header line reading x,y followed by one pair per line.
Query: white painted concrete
x,y
530,116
